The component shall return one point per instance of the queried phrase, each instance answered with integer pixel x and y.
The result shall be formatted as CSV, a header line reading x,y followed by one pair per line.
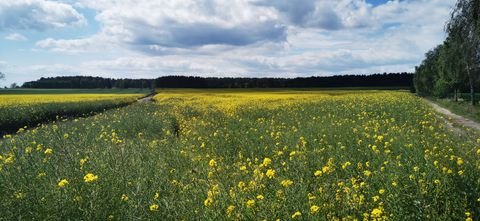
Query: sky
x,y
236,38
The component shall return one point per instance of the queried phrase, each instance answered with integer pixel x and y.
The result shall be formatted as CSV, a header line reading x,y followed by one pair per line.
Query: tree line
x,y
87,82
391,80
376,80
453,67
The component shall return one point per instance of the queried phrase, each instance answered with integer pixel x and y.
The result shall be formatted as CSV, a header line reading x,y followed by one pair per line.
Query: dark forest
x,y
394,80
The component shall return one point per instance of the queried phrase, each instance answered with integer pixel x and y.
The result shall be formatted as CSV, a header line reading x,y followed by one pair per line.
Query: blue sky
x,y
243,38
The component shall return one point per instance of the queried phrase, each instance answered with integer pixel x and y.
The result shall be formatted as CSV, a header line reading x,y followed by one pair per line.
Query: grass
x,y
247,155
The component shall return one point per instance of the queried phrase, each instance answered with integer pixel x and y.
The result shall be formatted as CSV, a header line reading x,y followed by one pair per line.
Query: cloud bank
x,y
237,37
37,15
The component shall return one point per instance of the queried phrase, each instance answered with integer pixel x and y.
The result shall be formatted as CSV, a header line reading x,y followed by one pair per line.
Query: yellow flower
x,y
314,209
460,161
208,201
318,173
250,203
154,207
325,169
377,213
293,153
381,191
157,195
83,161
296,214
124,198
212,163
346,164
9,159
468,214
243,168
267,161
367,173
230,210
19,195
48,151
63,183
260,197
241,185
286,183
90,177
270,173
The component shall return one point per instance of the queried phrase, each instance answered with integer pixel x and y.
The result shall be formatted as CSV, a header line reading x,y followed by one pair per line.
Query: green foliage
x,y
455,64
441,88
427,73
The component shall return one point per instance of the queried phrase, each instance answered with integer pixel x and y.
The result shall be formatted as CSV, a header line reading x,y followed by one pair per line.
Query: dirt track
x,y
146,99
455,119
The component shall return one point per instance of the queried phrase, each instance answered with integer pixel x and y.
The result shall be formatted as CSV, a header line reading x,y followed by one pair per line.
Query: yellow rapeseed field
x,y
246,155
20,110
31,99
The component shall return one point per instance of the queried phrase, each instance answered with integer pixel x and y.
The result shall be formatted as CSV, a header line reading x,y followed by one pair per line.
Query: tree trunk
x,y
472,88
472,93
455,95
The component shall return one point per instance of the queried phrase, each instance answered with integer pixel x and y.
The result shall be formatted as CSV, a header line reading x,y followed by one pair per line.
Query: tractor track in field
x,y
453,120
146,99
36,124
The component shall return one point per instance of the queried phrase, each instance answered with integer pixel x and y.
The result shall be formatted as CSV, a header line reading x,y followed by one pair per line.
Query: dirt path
x,y
146,99
453,118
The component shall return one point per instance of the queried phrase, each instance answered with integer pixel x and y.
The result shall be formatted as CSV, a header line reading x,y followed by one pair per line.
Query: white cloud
x,y
37,15
96,43
255,37
183,24
15,37
328,15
